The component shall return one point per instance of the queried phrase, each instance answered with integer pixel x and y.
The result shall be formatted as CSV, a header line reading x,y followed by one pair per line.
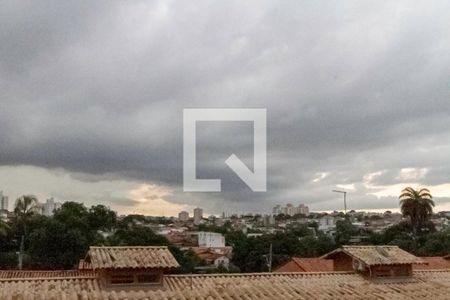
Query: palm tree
x,y
25,207
417,205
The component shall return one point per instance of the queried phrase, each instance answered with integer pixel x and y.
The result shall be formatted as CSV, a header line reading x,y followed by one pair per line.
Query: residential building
x,y
139,273
277,210
291,210
137,266
320,264
50,206
210,239
303,209
301,264
183,216
198,215
327,223
268,220
434,263
214,257
374,261
4,202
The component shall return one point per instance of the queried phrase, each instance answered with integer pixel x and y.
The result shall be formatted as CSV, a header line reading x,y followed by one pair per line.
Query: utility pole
x,y
269,259
21,252
345,199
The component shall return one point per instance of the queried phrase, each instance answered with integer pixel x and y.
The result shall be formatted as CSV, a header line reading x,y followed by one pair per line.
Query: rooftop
x,y
434,263
45,275
129,257
378,255
300,264
318,285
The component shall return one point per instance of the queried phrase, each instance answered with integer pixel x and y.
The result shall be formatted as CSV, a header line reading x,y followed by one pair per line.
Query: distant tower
x,y
183,216
198,215
49,207
4,205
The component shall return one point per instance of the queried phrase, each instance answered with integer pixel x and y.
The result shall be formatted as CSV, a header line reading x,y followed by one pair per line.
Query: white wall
x,y
210,239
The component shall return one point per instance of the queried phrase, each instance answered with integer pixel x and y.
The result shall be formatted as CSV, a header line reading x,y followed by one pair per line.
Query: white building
x,y
183,216
303,209
291,210
210,239
198,215
50,206
277,210
222,261
4,204
327,223
268,220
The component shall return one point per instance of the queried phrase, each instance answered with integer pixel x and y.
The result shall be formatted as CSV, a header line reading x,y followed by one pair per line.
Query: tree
x,y
3,228
24,209
55,244
436,244
417,206
344,231
60,241
102,218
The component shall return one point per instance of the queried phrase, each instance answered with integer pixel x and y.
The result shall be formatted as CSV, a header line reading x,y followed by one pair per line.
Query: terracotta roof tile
x,y
257,286
433,263
130,257
299,264
378,255
23,275
84,265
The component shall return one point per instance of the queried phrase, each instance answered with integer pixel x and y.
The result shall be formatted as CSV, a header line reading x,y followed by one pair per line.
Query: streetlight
x,y
345,199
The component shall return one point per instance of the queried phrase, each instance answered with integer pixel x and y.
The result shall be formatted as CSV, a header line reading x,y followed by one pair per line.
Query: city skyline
x,y
46,208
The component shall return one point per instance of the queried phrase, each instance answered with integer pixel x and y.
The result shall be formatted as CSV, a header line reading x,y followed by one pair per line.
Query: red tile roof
x,y
298,264
433,263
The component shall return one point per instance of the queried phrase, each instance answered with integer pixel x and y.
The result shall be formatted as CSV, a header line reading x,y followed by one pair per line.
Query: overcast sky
x,y
92,96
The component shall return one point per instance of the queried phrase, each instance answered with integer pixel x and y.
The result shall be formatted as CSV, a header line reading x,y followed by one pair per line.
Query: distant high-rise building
x,y
198,215
291,210
49,207
277,210
183,216
268,220
303,209
4,204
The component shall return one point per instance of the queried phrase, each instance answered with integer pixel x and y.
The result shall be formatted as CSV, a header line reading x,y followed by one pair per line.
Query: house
x,y
122,266
89,282
254,286
301,264
434,263
217,257
210,239
374,261
327,224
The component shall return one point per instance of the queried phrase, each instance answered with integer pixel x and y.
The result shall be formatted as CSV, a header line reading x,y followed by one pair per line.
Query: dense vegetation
x,y
60,241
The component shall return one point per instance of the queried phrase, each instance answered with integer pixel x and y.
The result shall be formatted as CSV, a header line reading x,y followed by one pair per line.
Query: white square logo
x,y
255,180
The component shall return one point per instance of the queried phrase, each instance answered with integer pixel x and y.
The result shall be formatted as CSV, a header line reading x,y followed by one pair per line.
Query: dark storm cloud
x,y
350,89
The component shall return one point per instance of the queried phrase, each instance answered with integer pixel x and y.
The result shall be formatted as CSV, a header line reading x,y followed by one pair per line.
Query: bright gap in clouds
x,y
123,196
